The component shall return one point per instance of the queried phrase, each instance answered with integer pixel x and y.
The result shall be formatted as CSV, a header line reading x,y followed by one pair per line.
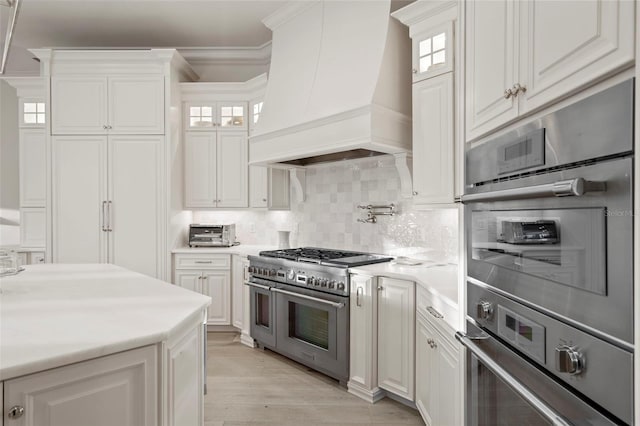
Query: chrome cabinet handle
x,y
434,312
104,126
304,296
380,288
15,412
104,216
359,292
203,261
508,94
109,229
548,412
565,188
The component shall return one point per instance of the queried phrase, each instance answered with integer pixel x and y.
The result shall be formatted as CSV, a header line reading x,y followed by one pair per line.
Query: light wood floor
x,y
253,387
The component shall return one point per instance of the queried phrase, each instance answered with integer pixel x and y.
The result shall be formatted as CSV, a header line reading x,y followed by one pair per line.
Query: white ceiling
x,y
137,23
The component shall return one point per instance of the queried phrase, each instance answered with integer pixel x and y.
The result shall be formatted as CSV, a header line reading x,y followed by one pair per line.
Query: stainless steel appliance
x,y
205,235
550,267
300,305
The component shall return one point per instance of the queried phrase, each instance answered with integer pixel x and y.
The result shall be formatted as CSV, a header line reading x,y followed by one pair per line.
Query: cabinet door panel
x,y
217,285
79,191
362,339
200,169
189,280
231,171
136,105
448,391
433,143
33,166
185,378
279,189
258,186
396,337
118,389
135,192
491,64
425,374
558,58
33,227
237,276
78,105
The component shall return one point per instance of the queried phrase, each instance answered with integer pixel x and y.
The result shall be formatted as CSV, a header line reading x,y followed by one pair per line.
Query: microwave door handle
x,y
564,188
549,413
304,296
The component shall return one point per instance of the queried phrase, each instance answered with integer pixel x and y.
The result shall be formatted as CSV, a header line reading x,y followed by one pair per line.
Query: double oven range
x,y
300,305
549,227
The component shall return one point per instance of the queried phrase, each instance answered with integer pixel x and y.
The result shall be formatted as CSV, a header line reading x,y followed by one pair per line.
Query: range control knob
x,y
569,360
251,269
311,281
291,274
323,282
272,272
340,285
332,284
484,310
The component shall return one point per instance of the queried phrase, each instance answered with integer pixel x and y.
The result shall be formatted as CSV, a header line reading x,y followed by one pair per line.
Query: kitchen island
x,y
101,345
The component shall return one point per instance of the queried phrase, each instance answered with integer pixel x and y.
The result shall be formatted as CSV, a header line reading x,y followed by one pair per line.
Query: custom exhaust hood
x,y
339,86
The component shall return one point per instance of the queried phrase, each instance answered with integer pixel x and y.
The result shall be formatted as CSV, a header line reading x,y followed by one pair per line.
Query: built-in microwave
x,y
207,235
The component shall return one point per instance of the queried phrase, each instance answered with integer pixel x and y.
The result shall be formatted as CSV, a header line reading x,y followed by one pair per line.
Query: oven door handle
x,y
304,296
564,188
549,413
260,286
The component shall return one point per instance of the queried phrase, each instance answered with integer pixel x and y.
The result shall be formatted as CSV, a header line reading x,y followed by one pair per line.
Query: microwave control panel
x,y
521,332
524,153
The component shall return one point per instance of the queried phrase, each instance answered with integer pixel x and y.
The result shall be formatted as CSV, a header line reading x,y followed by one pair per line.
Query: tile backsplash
x,y
328,216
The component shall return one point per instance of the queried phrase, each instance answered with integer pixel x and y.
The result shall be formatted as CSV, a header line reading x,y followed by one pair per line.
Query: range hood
x,y
339,84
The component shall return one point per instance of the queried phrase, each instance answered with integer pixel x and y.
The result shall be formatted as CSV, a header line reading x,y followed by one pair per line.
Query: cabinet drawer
x,y
202,261
431,306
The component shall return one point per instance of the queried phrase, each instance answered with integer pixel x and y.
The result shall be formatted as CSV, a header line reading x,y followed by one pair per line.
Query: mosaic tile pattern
x,y
328,217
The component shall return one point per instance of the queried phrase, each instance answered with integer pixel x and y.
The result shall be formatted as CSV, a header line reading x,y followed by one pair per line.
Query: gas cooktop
x,y
339,258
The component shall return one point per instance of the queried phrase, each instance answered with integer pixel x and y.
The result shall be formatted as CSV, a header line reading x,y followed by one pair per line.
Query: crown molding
x,y
194,91
27,87
420,10
286,13
260,55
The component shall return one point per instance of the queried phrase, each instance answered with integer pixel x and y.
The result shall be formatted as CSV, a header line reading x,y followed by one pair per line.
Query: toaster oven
x,y
205,235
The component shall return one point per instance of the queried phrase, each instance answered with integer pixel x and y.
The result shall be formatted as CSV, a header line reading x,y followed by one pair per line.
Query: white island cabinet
x,y
140,362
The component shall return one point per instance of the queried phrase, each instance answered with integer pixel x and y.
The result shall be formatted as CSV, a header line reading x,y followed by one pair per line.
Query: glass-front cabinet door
x,y
433,52
216,116
232,115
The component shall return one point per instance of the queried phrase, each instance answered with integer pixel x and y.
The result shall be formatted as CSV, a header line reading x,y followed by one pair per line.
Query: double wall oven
x,y
549,229
300,305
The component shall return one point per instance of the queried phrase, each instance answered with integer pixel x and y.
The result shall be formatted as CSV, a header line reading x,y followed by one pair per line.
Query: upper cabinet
x,y
521,56
107,105
433,51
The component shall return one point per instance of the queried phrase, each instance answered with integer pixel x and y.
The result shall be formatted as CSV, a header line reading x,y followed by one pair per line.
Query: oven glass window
x,y
495,404
262,308
565,246
309,324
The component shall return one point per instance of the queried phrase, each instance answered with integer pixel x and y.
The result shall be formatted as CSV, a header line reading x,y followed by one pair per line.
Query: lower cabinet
x,y
437,373
396,336
382,337
240,311
209,274
120,389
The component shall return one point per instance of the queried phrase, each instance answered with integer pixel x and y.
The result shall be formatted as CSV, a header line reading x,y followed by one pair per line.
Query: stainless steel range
x,y
300,304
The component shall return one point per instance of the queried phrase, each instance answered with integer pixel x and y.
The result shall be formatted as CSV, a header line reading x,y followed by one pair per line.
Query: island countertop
x,y
53,315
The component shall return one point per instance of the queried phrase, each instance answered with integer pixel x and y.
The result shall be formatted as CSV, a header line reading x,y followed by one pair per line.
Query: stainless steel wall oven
x,y
549,228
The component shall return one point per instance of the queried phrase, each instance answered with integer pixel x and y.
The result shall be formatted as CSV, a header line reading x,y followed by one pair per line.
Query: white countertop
x,y
241,249
54,314
440,279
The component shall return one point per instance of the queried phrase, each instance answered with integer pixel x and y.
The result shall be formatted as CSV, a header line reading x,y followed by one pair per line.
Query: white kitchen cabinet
x,y
185,378
33,227
363,338
433,140
432,51
237,293
522,55
396,336
216,173
92,105
269,187
33,167
209,274
258,186
438,395
106,200
117,389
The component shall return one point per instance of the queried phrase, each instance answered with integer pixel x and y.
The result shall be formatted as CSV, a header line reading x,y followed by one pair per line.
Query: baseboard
x,y
371,396
247,340
401,400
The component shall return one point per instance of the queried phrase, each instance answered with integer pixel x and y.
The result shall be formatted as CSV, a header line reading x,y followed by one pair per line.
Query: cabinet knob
x,y
380,288
264,200
15,412
517,88
415,192
415,71
508,93
104,126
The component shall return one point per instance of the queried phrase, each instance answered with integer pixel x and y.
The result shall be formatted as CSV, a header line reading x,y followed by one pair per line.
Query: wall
x,y
328,217
9,178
